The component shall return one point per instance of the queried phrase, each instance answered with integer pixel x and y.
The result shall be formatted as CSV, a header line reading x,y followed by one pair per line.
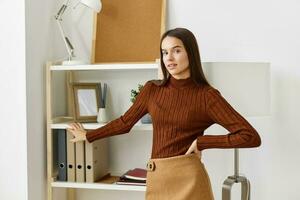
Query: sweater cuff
x,y
90,136
213,141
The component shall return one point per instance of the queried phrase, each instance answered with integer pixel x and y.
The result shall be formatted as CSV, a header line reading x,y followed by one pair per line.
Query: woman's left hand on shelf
x,y
77,130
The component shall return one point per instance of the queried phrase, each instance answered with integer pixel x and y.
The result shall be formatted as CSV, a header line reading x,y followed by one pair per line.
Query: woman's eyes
x,y
173,51
177,51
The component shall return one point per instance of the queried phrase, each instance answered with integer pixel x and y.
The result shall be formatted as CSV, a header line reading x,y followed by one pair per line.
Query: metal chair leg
x,y
228,183
226,188
245,187
236,178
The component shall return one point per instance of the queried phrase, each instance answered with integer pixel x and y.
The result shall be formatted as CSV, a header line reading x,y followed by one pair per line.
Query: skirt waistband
x,y
171,161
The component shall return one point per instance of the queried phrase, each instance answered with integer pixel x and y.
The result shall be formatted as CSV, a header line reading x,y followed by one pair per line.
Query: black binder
x,y
62,154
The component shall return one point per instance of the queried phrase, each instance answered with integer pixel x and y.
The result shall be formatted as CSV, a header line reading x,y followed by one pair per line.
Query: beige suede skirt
x,y
178,178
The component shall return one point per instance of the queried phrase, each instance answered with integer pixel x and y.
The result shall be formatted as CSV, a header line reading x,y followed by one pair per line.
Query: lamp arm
x,y
58,18
61,11
66,40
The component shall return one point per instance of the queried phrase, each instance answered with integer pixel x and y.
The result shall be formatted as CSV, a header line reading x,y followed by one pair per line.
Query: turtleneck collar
x,y
181,83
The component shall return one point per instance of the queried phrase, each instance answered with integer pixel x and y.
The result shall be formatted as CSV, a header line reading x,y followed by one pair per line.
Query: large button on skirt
x,y
178,178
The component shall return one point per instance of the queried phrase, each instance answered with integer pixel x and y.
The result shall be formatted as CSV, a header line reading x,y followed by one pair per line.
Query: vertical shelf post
x,y
49,131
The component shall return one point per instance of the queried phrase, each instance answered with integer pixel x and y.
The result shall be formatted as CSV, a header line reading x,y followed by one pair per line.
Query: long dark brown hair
x,y
190,44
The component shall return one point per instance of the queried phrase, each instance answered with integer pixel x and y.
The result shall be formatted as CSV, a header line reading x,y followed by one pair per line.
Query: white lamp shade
x,y
93,4
245,85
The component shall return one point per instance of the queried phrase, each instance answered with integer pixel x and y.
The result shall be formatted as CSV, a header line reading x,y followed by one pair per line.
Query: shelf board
x,y
90,126
106,183
99,186
108,66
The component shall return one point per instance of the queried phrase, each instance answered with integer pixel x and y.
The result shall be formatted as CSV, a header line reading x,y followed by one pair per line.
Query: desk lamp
x,y
96,5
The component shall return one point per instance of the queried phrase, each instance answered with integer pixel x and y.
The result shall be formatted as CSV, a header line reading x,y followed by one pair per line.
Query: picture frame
x,y
86,101
127,31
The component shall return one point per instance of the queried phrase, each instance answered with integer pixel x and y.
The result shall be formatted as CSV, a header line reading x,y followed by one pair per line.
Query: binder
x,y
71,168
96,160
62,155
80,161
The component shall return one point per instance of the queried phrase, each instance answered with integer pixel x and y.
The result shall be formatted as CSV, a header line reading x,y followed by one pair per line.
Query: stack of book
x,y
136,176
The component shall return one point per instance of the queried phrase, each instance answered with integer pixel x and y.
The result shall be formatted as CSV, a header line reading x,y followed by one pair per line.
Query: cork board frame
x,y
128,31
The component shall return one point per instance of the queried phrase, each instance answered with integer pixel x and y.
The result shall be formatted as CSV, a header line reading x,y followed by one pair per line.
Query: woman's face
x,y
175,57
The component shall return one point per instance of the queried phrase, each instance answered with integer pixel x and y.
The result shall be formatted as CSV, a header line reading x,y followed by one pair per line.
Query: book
x,y
136,174
125,181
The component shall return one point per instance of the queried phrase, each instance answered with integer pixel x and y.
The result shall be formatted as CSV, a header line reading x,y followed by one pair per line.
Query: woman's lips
x,y
171,66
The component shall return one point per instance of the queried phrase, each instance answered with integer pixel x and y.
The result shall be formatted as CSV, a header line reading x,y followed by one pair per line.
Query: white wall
x,y
234,30
13,143
39,37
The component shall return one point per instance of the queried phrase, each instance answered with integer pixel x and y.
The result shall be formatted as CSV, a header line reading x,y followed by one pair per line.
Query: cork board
x,y
128,31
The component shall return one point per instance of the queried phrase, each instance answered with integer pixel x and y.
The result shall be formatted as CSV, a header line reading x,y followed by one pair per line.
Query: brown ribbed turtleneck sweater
x,y
181,110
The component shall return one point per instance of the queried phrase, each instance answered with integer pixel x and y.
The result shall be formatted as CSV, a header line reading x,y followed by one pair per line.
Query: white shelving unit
x,y
52,124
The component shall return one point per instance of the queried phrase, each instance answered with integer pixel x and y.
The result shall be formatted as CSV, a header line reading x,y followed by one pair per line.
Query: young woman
x,y
182,106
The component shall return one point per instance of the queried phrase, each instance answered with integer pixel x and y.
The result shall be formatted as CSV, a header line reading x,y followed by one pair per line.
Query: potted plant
x,y
146,119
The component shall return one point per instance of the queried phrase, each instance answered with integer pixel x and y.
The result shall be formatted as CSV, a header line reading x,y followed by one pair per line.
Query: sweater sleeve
x,y
124,123
241,133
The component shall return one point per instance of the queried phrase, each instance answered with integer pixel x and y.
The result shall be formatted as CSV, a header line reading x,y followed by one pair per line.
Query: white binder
x,y
80,161
96,165
71,168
